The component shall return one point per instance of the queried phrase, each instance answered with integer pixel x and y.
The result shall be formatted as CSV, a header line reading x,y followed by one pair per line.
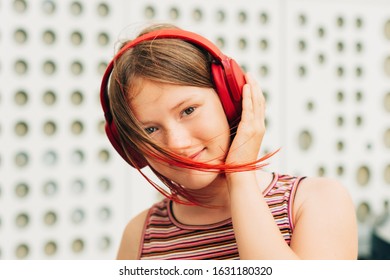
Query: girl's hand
x,y
250,132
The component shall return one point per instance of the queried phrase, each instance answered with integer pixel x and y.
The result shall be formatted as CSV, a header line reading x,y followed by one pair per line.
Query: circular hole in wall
x,y
321,32
301,45
76,38
50,218
363,175
150,12
49,98
104,243
321,58
78,157
49,67
263,44
49,37
387,29
101,127
76,8
197,15
340,146
220,16
48,7
77,127
21,67
340,46
242,17
363,212
387,66
264,18
21,159
104,155
302,70
359,22
340,121
386,174
359,120
340,21
242,43
22,251
22,190
104,185
359,96
21,128
103,10
305,140
50,188
340,71
20,6
22,220
77,98
77,216
102,67
220,42
386,138
76,68
104,214
50,158
103,39
174,13
21,98
78,186
340,170
340,96
386,102
359,47
20,36
49,128
50,248
77,245
263,70
358,71
321,171
302,19
310,106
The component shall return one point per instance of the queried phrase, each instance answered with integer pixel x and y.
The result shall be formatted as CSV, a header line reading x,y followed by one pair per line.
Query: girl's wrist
x,y
241,179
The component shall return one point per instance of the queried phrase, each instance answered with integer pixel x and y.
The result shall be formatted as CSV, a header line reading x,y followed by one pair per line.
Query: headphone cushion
x,y
228,81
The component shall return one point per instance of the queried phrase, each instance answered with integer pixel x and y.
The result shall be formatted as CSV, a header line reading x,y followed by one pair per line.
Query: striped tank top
x,y
166,238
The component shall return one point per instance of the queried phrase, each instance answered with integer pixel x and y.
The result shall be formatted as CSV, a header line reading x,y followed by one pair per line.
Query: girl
x,y
165,108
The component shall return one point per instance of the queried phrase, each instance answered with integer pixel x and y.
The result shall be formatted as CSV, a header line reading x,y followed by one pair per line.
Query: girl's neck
x,y
217,196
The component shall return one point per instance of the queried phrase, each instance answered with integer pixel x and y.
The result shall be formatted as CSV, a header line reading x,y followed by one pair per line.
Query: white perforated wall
x,y
324,67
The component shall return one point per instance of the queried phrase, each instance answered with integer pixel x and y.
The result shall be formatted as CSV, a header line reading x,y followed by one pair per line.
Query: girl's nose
x,y
178,139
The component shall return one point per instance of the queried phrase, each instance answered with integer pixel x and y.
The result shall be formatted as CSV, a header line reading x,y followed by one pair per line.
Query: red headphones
x,y
227,76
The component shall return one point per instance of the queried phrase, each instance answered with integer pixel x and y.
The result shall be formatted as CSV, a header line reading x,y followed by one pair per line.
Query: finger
x,y
247,103
257,97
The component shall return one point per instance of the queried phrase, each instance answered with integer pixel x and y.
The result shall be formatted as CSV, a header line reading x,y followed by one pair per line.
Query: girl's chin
x,y
196,180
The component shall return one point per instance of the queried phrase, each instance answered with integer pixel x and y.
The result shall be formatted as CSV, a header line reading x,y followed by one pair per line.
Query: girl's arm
x,y
324,221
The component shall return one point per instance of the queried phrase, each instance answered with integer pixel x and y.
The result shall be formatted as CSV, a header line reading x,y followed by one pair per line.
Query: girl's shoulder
x,y
132,237
321,194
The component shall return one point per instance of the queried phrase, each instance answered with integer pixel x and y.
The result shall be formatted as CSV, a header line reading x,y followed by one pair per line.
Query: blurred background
x,y
324,67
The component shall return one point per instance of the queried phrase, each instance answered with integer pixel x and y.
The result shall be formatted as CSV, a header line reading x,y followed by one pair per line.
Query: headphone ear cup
x,y
137,160
229,80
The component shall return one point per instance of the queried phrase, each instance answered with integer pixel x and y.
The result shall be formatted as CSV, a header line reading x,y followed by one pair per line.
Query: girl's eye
x,y
189,111
150,130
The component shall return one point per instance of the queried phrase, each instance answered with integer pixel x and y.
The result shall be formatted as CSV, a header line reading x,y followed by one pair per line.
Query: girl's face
x,y
188,121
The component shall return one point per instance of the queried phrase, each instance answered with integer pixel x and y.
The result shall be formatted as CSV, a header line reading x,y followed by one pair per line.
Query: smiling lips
x,y
196,155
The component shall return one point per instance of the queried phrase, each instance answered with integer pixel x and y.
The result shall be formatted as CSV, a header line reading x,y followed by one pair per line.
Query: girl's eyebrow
x,y
179,104
190,98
